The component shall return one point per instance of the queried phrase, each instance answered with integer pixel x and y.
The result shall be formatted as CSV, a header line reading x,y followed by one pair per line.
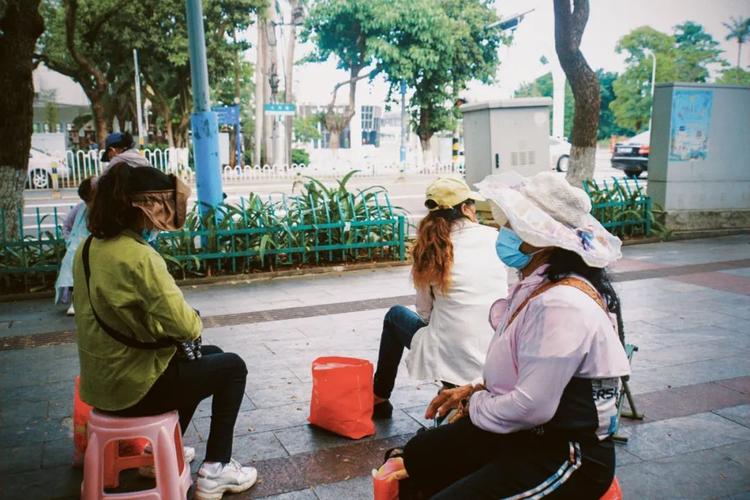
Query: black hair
x,y
451,214
85,189
563,263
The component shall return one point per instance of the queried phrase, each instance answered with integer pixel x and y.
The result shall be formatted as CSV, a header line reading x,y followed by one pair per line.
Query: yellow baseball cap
x,y
448,192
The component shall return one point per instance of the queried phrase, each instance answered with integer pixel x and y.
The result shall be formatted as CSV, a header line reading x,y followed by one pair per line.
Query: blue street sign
x,y
280,108
228,115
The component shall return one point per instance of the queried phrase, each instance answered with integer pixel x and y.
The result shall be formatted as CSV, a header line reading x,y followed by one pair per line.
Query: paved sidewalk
x,y
686,305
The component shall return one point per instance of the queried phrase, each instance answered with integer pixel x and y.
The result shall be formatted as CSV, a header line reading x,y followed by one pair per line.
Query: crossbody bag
x,y
189,350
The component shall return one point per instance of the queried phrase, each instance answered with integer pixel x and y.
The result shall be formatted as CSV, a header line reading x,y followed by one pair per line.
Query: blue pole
x,y
402,152
203,122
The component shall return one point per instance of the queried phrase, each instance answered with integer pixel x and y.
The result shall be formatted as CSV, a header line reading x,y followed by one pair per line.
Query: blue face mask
x,y
508,248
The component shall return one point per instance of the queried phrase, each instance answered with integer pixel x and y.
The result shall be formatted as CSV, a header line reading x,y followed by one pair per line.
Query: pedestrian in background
x,y
74,232
119,147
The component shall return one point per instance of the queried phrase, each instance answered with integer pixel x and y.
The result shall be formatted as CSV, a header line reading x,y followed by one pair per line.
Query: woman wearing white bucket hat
x,y
540,422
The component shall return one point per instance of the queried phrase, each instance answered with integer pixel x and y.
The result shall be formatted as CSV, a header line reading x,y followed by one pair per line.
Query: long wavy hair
x,y
112,211
432,251
564,262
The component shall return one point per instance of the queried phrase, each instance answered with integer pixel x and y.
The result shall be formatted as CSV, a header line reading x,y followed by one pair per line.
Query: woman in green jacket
x,y
133,322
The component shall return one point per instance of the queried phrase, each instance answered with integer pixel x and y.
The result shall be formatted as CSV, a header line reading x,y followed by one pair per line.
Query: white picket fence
x,y
82,164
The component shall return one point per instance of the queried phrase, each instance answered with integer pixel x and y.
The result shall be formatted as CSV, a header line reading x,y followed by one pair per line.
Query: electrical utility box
x,y
503,135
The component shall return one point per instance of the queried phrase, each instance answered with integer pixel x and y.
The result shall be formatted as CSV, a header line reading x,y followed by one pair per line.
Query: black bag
x,y
189,350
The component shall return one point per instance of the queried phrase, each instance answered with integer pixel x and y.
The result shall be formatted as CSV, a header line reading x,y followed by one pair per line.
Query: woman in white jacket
x,y
457,277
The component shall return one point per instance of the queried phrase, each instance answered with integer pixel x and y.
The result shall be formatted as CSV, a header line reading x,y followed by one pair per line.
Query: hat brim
x,y
473,195
596,246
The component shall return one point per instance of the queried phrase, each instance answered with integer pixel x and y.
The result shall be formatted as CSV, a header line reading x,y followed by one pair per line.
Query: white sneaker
x,y
71,311
150,471
216,479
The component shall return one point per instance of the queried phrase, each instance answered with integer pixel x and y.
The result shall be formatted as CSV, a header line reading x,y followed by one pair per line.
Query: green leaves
x,y
683,56
435,46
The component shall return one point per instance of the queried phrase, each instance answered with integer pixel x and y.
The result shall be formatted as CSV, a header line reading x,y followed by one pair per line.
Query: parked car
x,y
631,156
559,154
40,169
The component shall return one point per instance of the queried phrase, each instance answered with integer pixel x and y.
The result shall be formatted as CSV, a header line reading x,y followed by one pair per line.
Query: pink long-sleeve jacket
x,y
556,368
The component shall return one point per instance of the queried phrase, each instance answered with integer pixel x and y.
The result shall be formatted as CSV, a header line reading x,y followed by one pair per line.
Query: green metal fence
x,y
252,235
621,206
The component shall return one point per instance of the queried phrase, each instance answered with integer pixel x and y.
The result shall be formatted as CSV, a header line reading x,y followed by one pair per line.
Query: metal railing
x,y
622,206
78,165
256,234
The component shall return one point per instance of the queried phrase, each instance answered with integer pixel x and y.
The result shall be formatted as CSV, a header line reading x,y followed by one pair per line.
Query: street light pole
x,y
653,82
203,122
138,105
402,151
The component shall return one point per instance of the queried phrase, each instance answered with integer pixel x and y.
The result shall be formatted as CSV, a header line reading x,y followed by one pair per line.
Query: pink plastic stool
x,y
102,463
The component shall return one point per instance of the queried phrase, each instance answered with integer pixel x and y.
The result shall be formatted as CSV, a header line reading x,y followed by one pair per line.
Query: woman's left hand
x,y
448,399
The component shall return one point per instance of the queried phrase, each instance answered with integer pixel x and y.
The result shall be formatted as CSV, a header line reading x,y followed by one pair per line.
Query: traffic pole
x,y
203,122
138,105
404,130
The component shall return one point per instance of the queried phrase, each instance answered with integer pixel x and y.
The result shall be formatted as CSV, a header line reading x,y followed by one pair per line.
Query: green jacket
x,y
132,292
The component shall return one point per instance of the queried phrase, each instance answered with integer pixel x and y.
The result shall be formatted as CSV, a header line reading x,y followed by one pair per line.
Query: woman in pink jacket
x,y
539,422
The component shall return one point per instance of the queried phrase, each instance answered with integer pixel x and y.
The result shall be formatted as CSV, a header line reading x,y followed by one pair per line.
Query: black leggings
x,y
460,461
184,384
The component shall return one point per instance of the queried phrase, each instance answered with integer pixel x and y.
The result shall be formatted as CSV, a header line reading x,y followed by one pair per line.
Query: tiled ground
x,y
691,378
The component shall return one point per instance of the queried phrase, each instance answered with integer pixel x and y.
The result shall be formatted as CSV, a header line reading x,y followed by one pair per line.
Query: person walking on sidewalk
x,y
136,333
119,147
540,421
457,276
75,230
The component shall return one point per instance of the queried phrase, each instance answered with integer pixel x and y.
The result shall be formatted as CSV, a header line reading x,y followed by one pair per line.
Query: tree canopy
x,y
435,47
688,55
92,41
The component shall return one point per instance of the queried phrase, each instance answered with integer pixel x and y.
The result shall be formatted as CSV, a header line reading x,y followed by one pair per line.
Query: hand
x,y
448,399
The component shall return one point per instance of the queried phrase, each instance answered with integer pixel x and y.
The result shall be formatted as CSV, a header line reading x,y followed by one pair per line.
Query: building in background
x,y
367,120
61,109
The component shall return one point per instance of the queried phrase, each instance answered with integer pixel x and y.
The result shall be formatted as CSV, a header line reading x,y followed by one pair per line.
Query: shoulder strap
x,y
569,281
123,339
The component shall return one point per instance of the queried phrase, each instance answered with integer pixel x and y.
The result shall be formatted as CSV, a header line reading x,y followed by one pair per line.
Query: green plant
x,y
321,224
300,156
624,209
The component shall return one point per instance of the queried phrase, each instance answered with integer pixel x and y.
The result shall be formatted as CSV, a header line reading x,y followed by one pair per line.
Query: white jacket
x,y
453,346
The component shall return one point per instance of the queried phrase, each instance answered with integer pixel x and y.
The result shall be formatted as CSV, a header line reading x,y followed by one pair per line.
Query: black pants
x,y
460,461
184,384
399,326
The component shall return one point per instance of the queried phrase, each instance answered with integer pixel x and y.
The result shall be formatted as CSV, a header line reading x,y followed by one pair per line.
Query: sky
x,y
609,20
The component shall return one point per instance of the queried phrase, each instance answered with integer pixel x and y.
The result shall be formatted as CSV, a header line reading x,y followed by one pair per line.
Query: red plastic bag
x,y
342,396
81,414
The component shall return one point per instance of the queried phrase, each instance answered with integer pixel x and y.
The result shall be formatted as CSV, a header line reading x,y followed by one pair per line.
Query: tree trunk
x,y
427,158
569,27
335,122
288,81
739,53
425,134
100,121
20,27
170,133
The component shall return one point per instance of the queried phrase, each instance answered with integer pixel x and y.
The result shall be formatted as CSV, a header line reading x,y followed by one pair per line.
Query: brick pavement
x,y
686,306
